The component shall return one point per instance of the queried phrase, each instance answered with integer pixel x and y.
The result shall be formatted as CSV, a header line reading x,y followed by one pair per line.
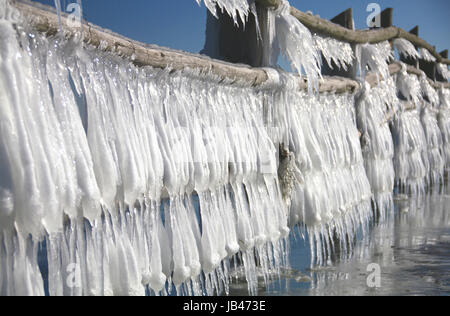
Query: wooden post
x,y
386,18
233,43
345,19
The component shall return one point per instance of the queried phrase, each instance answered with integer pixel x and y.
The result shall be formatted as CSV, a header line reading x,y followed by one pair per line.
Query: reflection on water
x,y
412,249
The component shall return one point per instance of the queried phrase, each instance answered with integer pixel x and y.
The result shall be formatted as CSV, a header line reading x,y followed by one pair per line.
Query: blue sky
x,y
180,24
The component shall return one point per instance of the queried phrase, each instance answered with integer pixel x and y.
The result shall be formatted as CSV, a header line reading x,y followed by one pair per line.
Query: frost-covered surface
x,y
237,9
334,51
373,107
426,55
436,156
144,180
420,154
444,124
296,43
411,159
409,87
443,71
333,195
140,181
405,48
89,144
429,92
374,57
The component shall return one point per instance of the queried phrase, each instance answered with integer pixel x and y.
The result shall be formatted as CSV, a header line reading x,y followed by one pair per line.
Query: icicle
x,y
374,58
235,8
336,192
405,48
334,51
409,86
377,143
435,145
443,71
59,12
411,160
428,91
297,45
444,124
426,55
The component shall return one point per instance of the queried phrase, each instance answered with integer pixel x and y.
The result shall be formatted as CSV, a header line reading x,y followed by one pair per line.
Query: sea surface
x,y
407,254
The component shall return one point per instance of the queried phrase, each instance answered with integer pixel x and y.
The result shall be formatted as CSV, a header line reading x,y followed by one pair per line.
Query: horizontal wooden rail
x,y
338,32
44,20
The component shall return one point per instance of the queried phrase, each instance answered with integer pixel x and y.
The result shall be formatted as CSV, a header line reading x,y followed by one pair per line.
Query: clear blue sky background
x,y
181,24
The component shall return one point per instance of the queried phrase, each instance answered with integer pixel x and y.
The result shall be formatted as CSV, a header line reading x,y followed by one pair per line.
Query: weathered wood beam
x,y
140,54
143,55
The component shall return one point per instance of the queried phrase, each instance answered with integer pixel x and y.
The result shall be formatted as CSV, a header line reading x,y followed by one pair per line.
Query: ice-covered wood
x,y
331,29
46,21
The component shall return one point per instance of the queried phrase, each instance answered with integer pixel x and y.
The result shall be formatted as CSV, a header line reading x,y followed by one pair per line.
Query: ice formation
x,y
134,181
426,55
420,141
334,51
140,178
409,87
333,195
237,9
436,156
373,107
444,124
428,92
405,48
281,33
374,58
443,71
297,44
411,160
